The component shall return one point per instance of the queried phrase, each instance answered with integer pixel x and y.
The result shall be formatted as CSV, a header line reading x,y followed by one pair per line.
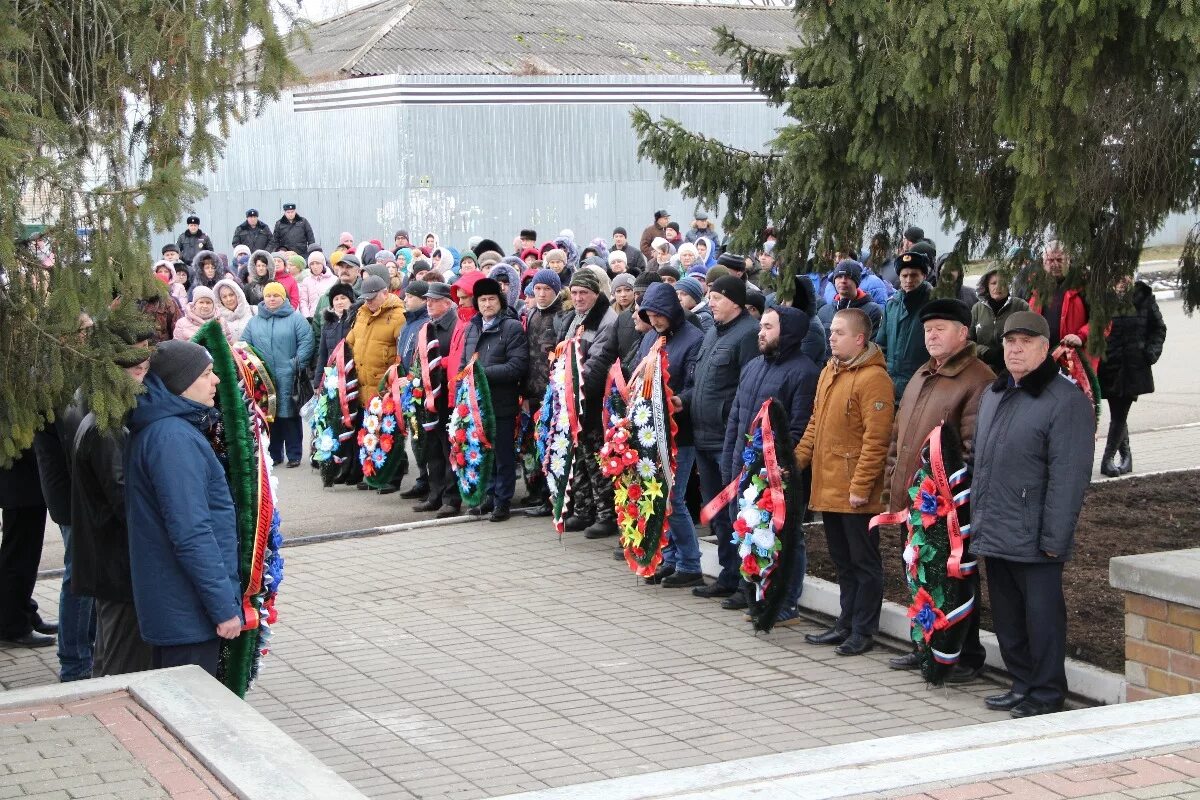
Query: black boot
x,y
1126,465
1107,468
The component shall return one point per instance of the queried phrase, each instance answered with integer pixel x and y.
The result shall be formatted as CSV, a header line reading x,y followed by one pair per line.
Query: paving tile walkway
x,y
476,660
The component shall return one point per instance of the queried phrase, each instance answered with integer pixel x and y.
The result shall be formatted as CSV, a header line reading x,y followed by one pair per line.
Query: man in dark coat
x,y
661,310
439,330
656,229
24,528
847,294
1034,445
183,546
783,371
292,232
193,240
730,344
253,233
496,336
539,319
594,322
415,317
900,335
99,549
635,262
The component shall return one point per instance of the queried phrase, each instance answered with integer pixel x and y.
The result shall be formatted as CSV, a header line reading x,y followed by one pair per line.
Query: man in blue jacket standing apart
x,y
183,550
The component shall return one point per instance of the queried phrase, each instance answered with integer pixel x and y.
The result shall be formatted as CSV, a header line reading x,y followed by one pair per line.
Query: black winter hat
x,y
343,289
758,300
732,262
914,234
849,268
669,271
486,286
417,289
950,308
643,282
620,230
914,258
731,287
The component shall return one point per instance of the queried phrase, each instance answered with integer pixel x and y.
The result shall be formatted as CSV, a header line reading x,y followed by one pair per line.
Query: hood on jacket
x,y
449,260
156,402
466,282
568,246
509,273
243,309
872,355
365,252
252,277
436,241
662,299
793,327
284,310
599,247
198,259
711,261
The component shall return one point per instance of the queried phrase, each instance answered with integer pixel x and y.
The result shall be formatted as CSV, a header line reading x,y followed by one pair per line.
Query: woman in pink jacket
x,y
202,309
316,284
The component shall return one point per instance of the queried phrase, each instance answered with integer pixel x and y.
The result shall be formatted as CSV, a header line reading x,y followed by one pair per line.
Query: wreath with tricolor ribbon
x,y
937,564
638,456
559,426
335,420
472,430
381,435
766,503
240,440
1074,363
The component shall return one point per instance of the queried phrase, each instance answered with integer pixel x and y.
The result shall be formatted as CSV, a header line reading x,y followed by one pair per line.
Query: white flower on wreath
x,y
376,406
558,464
371,423
370,441
560,445
641,414
744,548
646,437
751,517
563,419
750,495
910,555
645,468
764,538
331,380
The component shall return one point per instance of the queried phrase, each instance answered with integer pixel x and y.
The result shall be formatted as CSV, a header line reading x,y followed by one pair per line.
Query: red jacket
x,y
1073,319
458,341
289,284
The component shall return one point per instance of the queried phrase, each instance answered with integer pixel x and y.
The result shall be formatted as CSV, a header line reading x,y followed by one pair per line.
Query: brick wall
x,y
1162,647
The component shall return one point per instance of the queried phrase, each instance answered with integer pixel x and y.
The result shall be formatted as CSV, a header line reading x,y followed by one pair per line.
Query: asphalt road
x,y
307,508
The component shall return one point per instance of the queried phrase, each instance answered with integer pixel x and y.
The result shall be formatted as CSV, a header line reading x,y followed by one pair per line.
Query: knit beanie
x,y
178,363
203,293
602,279
624,279
731,287
586,279
669,271
555,254
548,277
337,257
274,287
296,261
715,274
691,286
643,282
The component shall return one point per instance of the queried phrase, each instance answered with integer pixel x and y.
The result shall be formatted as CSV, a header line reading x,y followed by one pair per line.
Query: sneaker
x,y
680,580
789,616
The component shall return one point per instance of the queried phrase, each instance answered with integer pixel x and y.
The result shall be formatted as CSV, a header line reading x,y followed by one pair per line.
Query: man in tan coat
x,y
946,389
846,444
372,340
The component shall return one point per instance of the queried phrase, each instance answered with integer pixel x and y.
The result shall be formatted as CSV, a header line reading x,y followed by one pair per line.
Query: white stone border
x,y
899,763
242,748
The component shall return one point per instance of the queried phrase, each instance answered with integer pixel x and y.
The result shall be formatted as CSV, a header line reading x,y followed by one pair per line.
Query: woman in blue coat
x,y
284,339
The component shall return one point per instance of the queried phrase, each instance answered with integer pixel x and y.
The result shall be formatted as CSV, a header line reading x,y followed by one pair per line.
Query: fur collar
x,y
1035,382
592,320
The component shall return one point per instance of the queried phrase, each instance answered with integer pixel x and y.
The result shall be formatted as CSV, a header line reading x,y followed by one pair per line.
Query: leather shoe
x,y
961,673
713,590
31,639
389,489
500,513
910,660
659,575
1004,702
619,554
573,523
601,529
293,464
544,510
735,602
831,636
856,645
1034,708
680,580
449,511
45,628
428,505
415,491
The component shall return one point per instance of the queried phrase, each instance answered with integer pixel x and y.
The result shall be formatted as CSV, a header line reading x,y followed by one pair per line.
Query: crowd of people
x,y
871,352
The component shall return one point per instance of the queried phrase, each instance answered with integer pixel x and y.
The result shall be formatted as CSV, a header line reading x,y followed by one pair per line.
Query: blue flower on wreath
x,y
362,454
757,441
378,457
471,476
474,456
749,456
928,503
388,425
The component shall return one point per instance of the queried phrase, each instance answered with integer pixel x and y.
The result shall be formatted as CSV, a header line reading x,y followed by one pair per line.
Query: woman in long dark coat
x,y
1134,344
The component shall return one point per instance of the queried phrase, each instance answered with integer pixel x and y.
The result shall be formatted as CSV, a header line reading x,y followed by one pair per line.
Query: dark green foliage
x,y
106,108
1077,118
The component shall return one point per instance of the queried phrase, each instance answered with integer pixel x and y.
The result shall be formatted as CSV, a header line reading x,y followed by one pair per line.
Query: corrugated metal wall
x,y
487,169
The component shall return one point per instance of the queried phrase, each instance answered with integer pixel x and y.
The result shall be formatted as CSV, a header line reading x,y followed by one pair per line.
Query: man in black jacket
x,y
99,548
443,319
24,528
292,232
540,316
253,233
193,240
727,347
594,322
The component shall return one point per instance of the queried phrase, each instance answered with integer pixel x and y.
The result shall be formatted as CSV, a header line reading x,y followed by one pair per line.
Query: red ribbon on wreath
x,y
774,479
339,357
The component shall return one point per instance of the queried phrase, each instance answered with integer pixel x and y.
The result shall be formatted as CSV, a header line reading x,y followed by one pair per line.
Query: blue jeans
x,y
683,552
708,464
76,623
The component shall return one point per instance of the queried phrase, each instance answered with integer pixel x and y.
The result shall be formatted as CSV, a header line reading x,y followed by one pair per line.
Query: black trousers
x,y
119,646
854,548
20,555
1029,616
443,488
504,477
1118,426
202,654
287,435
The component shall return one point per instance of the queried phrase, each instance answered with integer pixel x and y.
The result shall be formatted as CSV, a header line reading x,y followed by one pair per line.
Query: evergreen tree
x,y
1080,120
106,108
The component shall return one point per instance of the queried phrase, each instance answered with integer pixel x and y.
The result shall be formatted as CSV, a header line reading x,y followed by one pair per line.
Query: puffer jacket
x,y
285,341
539,332
987,324
682,348
862,300
255,283
875,287
902,336
333,331
235,321
373,339
406,343
724,352
948,394
789,375
1135,343
183,546
629,341
846,440
256,238
1034,445
197,275
313,288
503,351
597,351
